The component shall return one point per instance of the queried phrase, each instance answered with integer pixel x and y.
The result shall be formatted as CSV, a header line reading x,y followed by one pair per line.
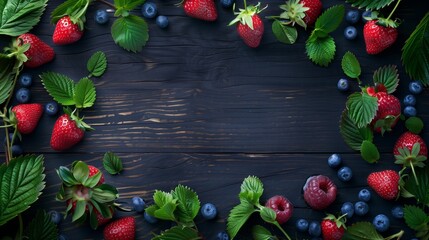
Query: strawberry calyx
x,y
411,158
386,123
74,116
340,221
244,16
17,50
385,22
294,13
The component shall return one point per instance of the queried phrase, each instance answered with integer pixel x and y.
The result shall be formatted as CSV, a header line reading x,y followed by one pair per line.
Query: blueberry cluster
x,y
415,88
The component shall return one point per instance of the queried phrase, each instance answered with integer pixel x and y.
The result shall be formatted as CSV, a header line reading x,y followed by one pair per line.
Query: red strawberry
x,y
282,206
315,8
100,219
66,133
301,12
385,183
378,38
39,52
319,192
389,110
27,116
66,32
200,9
93,170
123,229
333,228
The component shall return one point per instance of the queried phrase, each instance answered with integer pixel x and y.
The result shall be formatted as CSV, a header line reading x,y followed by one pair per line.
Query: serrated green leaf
x,y
76,9
238,217
21,183
97,64
284,34
362,231
369,152
177,233
112,163
352,135
350,65
128,4
420,191
60,87
251,189
41,228
415,217
84,93
166,212
330,19
370,4
161,198
388,76
268,215
130,33
415,53
361,108
261,233
6,76
321,51
188,204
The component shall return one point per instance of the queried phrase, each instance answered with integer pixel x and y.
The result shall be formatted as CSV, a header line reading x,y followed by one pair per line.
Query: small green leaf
x,y
369,152
128,4
330,19
6,87
112,163
321,51
177,233
188,204
238,217
415,217
352,135
414,125
41,227
130,33
84,93
80,171
268,215
261,233
66,176
97,64
284,34
362,231
166,212
251,189
361,108
72,8
350,65
79,210
388,76
60,87
370,4
161,198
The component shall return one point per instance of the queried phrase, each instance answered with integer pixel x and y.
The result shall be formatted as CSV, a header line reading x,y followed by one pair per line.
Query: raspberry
x,y
282,206
319,192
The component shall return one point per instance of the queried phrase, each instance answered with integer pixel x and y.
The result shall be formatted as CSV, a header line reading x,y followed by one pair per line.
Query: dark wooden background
x,y
199,108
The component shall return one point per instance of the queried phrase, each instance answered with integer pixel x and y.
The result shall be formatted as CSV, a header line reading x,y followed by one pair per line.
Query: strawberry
x,y
282,206
385,183
333,228
93,170
67,31
38,53
66,133
200,9
389,110
27,116
377,37
123,228
301,12
313,12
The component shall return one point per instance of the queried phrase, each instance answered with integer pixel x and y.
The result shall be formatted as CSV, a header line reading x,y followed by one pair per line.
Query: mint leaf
x,y
420,191
178,233
284,34
112,163
97,64
188,204
362,231
130,33
369,152
128,4
84,93
41,227
388,76
23,179
238,217
268,215
370,4
361,108
350,65
261,233
415,217
330,19
321,51
60,87
251,190
352,135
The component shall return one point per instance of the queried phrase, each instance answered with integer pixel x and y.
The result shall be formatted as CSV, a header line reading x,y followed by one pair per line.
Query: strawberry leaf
x,y
284,34
130,33
128,4
251,189
261,233
350,65
414,125
238,217
178,233
369,152
97,64
6,78
60,87
166,205
370,4
388,76
362,231
84,93
268,215
74,8
352,135
112,163
361,108
321,51
41,227
330,19
415,217
419,191
188,204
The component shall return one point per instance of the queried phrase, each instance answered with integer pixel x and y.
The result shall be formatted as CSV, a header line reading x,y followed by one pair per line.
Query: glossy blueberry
x,y
334,160
352,16
364,195
415,87
302,225
208,211
361,208
62,237
350,33
381,222
101,16
409,100
23,95
55,216
227,3
51,108
345,174
398,212
17,150
343,85
138,204
25,80
410,111
149,218
149,10
366,14
222,236
162,21
348,208
314,229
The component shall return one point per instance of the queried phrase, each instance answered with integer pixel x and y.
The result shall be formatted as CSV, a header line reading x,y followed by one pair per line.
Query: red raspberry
x,y
319,192
282,206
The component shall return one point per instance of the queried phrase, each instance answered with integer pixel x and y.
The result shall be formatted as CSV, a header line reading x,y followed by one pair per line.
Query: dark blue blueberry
x,y
352,16
343,85
348,208
62,237
365,15
364,195
410,100
55,216
361,208
415,87
334,160
138,204
17,150
302,225
222,236
314,229
149,218
25,80
101,16
345,174
162,21
208,211
23,95
410,111
350,33
227,3
398,212
149,10
381,222
51,108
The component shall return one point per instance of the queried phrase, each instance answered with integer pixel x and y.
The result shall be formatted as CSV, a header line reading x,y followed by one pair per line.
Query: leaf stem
x,y
393,10
21,227
282,230
108,4
359,81
396,235
414,173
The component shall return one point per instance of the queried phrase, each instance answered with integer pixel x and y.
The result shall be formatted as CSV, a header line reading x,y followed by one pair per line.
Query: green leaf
x,y
370,4
6,87
177,233
6,76
284,34
79,210
20,16
388,76
130,33
238,217
97,64
66,176
166,212
369,152
188,204
112,163
414,125
415,217
352,135
76,9
60,87
161,198
415,53
330,19
41,228
251,189
350,65
84,93
93,180
361,108
128,4
362,231
261,233
421,190
21,183
321,51
268,215
80,171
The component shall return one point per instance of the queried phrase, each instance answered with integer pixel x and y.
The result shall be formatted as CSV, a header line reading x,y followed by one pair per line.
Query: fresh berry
x,y
352,16
55,216
343,85
334,160
410,111
415,87
364,195
100,219
379,87
385,183
350,33
51,108
123,228
101,16
366,15
23,95
92,171
345,174
17,150
149,10
319,192
314,229
361,208
303,13
315,8
282,206
227,3
27,116
138,204
162,21
25,80
66,31
250,27
208,211
65,133
302,225
378,38
398,212
39,52
332,227
149,218
200,9
409,100
381,222
222,236
348,209
389,110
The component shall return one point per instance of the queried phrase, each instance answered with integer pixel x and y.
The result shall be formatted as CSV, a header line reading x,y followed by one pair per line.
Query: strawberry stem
x,y
245,4
393,10
21,227
282,230
396,235
414,173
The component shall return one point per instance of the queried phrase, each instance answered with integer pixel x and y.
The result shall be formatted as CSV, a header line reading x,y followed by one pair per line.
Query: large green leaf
x,y
330,19
130,33
188,204
21,183
370,4
362,231
60,87
6,76
388,76
361,108
415,217
352,135
84,93
419,191
42,227
178,233
321,51
238,217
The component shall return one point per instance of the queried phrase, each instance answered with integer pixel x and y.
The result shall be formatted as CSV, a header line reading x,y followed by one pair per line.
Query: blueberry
x,y
365,15
149,218
101,16
345,174
410,111
361,208
55,216
25,80
398,212
381,222
62,237
350,33
415,87
364,195
138,204
343,85
23,95
352,16
162,21
51,108
314,229
17,150
227,3
334,160
222,236
348,208
410,100
302,225
208,211
149,10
